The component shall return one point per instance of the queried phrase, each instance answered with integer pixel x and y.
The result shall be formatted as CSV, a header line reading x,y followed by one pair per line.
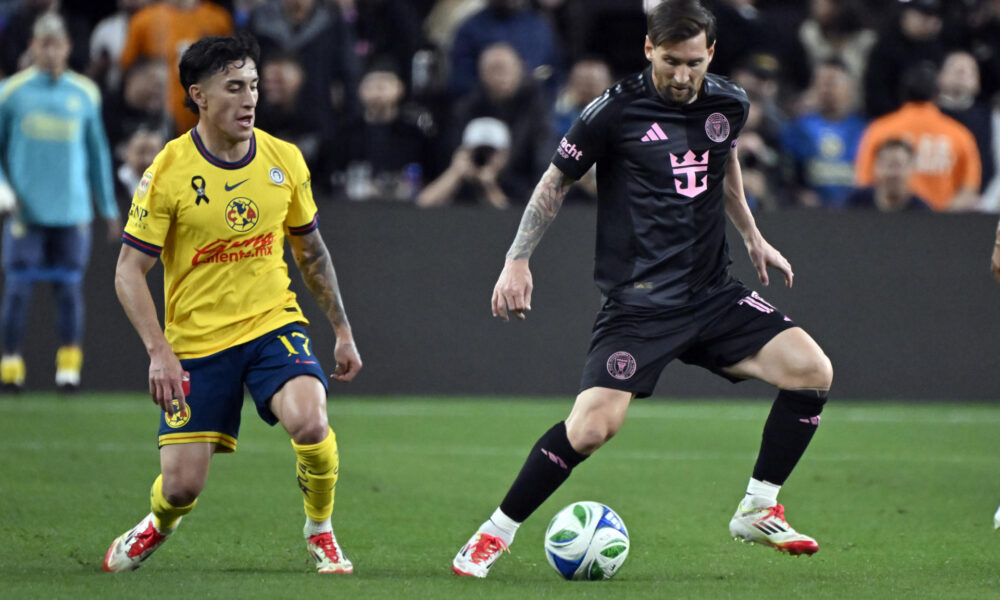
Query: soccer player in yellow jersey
x,y
216,207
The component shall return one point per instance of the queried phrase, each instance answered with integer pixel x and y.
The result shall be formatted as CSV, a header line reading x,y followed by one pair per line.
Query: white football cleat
x,y
478,555
768,526
325,550
996,520
134,546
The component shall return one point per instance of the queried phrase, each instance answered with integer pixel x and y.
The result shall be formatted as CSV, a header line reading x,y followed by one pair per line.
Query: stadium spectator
x,y
231,321
474,174
163,30
741,24
760,163
758,75
137,154
821,145
947,170
912,38
55,163
446,17
588,78
283,110
597,27
106,44
387,28
142,101
958,91
517,24
506,94
983,41
15,54
890,191
384,154
317,32
836,29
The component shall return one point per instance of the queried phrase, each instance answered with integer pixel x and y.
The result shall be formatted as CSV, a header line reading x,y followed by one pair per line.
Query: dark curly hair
x,y
211,55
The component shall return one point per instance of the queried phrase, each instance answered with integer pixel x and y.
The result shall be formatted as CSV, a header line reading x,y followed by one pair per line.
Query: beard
x,y
671,95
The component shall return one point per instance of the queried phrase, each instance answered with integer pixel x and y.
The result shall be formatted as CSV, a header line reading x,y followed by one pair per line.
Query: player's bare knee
x,y
181,492
588,434
311,432
809,371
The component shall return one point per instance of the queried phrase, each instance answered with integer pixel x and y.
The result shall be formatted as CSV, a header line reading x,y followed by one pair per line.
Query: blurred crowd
x,y
888,105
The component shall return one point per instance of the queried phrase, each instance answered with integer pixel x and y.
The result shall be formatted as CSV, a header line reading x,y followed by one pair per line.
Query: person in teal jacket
x,y
54,163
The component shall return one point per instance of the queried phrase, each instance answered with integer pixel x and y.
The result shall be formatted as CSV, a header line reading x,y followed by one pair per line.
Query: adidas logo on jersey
x,y
655,134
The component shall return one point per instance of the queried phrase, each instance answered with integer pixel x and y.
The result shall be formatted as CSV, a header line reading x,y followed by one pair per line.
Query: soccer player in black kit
x,y
664,141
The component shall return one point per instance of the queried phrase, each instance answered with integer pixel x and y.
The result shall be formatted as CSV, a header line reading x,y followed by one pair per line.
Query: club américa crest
x,y
242,214
180,417
621,365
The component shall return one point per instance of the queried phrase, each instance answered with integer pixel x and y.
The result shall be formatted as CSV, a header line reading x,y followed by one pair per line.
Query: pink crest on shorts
x,y
621,365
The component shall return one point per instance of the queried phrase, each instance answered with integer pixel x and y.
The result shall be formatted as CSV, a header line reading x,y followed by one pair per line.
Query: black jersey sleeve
x,y
586,140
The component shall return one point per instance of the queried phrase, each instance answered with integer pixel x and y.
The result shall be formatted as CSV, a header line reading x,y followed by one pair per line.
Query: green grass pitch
x,y
900,497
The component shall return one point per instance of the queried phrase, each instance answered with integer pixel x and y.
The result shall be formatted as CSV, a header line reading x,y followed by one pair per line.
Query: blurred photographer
x,y
473,175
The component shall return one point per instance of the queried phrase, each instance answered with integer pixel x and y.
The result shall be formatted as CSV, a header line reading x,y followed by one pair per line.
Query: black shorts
x,y
631,346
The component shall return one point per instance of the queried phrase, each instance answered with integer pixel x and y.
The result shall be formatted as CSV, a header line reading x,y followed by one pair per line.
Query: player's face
x,y
227,100
679,68
50,53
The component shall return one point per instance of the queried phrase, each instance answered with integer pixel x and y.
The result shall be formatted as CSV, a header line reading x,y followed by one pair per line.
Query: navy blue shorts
x,y
37,253
631,346
216,385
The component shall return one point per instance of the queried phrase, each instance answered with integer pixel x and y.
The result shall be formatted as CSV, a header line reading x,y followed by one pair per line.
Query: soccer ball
x,y
586,541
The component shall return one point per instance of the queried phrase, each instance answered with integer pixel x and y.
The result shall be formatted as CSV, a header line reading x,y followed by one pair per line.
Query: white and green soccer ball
x,y
586,541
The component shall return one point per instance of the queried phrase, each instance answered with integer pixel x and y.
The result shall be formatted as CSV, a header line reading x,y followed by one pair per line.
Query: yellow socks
x,y
317,466
12,370
69,361
165,515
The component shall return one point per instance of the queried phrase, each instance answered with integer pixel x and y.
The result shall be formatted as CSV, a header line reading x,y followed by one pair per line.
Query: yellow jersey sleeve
x,y
150,215
303,216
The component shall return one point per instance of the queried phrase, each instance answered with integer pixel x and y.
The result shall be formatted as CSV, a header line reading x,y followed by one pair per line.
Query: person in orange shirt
x,y
164,30
947,170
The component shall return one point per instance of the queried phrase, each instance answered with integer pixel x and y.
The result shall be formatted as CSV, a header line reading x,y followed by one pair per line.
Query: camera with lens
x,y
481,155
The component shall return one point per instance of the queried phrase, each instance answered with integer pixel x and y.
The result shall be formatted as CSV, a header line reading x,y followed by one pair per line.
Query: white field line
x,y
279,445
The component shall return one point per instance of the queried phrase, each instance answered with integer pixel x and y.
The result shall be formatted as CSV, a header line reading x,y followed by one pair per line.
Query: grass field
x,y
900,497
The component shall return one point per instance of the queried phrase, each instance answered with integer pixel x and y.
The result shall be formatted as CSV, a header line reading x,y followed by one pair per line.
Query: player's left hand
x,y
763,254
348,361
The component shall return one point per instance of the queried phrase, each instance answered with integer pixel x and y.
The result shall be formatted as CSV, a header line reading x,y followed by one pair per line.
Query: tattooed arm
x,y
513,288
313,259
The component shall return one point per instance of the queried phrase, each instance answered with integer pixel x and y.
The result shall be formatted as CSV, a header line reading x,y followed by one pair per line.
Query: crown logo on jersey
x,y
655,134
690,166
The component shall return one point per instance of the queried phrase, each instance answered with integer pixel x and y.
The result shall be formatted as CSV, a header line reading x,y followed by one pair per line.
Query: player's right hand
x,y
166,381
513,290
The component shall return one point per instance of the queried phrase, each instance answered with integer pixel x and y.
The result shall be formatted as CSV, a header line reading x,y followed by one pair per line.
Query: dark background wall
x,y
904,305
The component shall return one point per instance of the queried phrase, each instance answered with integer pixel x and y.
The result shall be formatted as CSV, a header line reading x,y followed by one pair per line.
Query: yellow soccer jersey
x,y
219,228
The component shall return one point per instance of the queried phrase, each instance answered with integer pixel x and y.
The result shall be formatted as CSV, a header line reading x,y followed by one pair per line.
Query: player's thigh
x,y
68,248
287,382
790,360
300,406
599,407
185,468
23,247
629,348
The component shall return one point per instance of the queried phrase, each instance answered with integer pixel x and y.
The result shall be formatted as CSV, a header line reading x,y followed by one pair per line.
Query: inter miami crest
x,y
198,184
